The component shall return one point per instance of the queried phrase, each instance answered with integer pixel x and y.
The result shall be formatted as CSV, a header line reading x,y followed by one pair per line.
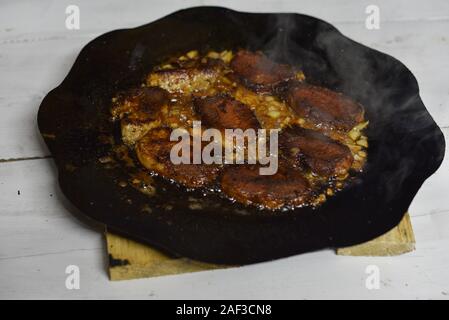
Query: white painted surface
x,y
39,238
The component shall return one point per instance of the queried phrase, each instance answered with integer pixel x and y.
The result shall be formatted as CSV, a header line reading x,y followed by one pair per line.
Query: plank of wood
x,y
398,240
129,259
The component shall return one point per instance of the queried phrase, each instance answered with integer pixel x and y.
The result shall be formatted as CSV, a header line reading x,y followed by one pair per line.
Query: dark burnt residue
x,y
117,262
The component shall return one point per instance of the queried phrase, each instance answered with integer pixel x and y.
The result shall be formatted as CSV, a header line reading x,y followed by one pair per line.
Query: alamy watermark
x,y
372,281
72,282
240,147
372,21
72,20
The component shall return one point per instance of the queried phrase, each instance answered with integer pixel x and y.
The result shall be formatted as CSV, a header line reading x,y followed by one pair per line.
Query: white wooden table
x,y
39,238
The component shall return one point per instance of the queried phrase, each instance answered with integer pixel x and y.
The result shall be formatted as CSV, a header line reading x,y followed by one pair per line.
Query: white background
x,y
39,238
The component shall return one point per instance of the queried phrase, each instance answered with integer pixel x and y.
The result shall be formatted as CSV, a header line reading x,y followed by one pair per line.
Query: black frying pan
x,y
406,146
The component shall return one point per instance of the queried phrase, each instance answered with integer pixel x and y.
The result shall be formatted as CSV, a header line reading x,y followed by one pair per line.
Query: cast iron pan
x,y
406,146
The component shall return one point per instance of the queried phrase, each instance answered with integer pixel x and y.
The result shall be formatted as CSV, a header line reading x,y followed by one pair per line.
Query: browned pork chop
x,y
259,73
145,101
153,151
323,155
324,107
286,187
139,111
184,80
223,112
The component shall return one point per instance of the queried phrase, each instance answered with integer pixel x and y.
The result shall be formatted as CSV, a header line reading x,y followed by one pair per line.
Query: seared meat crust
x,y
139,111
324,107
259,73
153,151
321,154
223,112
184,80
144,102
286,187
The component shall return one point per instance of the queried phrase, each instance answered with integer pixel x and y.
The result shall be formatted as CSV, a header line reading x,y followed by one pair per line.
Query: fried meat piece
x,y
323,155
153,151
259,73
142,102
184,80
223,112
324,107
244,184
139,111
134,129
